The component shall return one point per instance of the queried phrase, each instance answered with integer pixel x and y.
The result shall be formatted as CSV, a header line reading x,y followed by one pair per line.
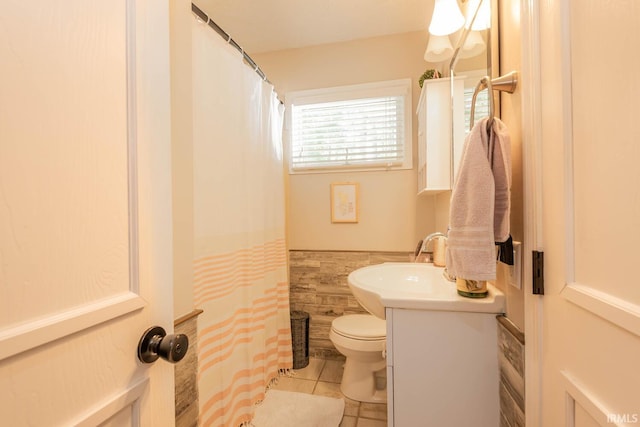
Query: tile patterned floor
x,y
322,377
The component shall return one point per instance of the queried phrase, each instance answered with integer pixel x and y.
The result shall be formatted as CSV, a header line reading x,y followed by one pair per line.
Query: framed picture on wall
x,y
344,202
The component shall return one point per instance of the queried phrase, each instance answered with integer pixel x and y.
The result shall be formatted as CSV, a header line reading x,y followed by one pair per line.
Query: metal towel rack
x,y
506,83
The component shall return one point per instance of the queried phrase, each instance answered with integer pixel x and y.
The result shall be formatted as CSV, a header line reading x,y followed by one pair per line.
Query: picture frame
x,y
344,202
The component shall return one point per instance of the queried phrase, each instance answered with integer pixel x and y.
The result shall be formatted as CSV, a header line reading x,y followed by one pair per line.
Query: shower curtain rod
x,y
195,9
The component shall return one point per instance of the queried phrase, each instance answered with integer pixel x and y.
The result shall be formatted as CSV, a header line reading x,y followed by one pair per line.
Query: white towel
x,y
480,203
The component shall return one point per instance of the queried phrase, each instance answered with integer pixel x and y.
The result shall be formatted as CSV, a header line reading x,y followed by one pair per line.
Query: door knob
x,y
156,343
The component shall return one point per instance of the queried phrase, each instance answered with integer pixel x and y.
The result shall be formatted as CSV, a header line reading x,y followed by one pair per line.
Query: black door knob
x,y
156,343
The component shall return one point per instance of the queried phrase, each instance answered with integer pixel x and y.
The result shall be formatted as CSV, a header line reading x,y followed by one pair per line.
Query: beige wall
x,y
392,217
182,156
511,114
442,211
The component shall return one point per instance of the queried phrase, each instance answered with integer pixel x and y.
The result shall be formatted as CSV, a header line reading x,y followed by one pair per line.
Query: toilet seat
x,y
364,327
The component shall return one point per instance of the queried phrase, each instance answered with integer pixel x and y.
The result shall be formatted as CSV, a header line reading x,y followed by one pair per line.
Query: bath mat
x,y
289,409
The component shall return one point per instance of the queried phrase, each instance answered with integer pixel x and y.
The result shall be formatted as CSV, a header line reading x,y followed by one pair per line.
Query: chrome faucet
x,y
425,244
422,248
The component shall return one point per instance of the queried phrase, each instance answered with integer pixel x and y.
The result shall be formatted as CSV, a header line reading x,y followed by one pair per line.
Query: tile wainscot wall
x,y
318,283
186,384
511,360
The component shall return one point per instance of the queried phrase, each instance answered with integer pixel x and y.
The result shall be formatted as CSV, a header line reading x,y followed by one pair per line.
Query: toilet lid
x,y
360,326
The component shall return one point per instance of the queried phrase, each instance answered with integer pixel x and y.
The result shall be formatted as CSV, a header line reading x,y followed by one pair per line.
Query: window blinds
x,y
482,106
358,132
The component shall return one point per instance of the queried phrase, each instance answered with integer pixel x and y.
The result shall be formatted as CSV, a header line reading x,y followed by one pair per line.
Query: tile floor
x,y
322,377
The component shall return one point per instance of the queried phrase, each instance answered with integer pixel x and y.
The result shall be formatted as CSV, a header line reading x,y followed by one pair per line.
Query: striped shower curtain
x,y
240,264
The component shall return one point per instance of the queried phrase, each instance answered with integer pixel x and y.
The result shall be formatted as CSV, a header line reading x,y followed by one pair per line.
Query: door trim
x,y
577,393
611,308
132,148
107,409
39,331
532,177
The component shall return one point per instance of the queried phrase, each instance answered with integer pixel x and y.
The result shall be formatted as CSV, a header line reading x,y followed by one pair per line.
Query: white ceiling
x,y
268,25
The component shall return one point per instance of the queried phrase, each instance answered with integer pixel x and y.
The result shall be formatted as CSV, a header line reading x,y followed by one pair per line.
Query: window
x,y
362,126
482,106
482,100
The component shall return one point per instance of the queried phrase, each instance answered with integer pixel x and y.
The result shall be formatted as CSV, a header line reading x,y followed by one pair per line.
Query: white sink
x,y
418,286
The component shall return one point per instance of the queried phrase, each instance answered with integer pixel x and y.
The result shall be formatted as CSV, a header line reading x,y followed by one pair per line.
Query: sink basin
x,y
418,286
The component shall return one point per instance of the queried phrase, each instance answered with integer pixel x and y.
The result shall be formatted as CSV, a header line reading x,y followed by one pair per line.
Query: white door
x,y
583,337
85,211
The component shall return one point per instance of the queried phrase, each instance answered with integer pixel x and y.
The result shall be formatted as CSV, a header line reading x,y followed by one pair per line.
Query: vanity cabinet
x,y
436,121
442,368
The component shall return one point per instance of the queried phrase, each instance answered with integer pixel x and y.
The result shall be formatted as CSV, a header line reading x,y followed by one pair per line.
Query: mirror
x,y
500,58
469,65
474,53
476,49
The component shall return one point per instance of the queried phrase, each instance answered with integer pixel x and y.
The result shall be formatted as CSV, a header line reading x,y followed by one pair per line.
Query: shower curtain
x,y
240,263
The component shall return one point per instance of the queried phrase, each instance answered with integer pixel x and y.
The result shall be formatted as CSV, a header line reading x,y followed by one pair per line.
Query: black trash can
x,y
300,338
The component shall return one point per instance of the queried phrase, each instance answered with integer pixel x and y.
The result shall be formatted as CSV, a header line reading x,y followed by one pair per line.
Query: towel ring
x,y
506,83
484,83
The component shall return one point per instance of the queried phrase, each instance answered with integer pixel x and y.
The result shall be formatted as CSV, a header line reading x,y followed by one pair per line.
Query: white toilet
x,y
361,339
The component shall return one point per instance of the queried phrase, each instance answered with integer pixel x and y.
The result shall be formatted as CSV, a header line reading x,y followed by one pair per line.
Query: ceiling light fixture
x,y
446,19
483,16
438,49
474,45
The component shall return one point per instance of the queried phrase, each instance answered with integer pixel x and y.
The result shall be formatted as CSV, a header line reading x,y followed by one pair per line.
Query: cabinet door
x,y
435,127
459,131
422,144
445,368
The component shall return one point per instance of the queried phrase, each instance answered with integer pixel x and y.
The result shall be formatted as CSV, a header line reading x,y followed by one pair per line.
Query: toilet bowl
x,y
361,339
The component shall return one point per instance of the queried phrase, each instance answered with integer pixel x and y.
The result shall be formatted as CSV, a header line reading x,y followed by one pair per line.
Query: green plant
x,y
429,74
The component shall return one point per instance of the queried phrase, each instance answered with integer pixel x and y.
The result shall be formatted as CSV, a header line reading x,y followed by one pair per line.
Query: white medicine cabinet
x,y
437,136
